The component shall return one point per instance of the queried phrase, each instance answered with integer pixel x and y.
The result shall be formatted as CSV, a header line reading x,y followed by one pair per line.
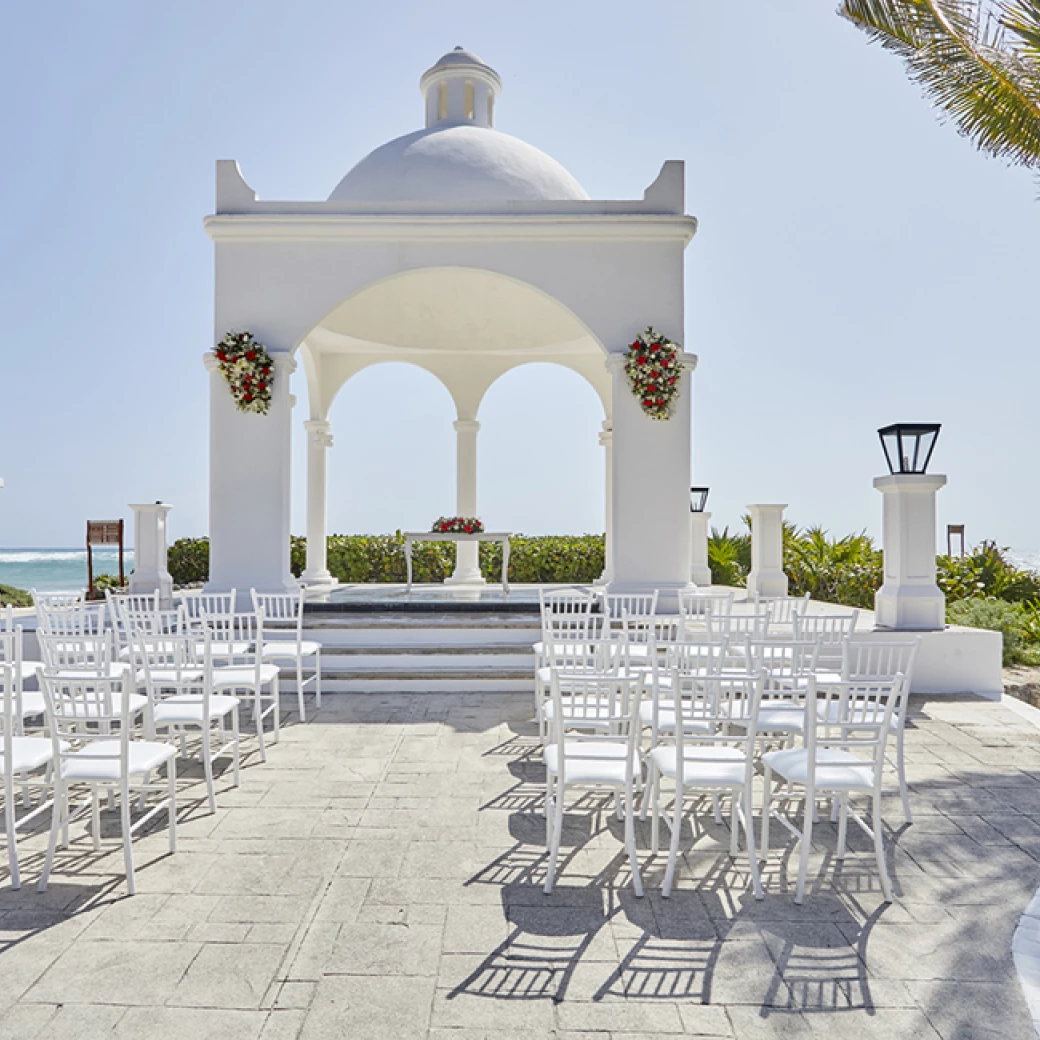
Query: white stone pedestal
x,y
700,572
150,573
766,577
909,600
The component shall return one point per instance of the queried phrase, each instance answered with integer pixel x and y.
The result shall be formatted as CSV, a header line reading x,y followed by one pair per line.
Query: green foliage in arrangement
x,y
12,597
106,581
1017,622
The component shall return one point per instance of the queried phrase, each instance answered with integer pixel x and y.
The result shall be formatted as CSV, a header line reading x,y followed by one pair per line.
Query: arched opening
x,y
541,466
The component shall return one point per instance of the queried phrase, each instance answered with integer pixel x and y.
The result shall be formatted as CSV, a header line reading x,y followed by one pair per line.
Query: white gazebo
x,y
466,252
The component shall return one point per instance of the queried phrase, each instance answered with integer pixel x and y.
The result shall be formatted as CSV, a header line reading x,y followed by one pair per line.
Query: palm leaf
x,y
979,62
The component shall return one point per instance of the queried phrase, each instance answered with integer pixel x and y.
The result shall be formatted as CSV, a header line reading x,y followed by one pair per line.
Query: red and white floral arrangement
x,y
654,372
247,367
458,525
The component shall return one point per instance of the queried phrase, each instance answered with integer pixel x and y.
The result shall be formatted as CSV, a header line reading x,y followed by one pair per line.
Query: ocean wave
x,y
58,555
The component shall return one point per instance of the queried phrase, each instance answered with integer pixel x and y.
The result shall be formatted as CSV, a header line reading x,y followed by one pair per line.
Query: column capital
x,y
283,362
466,425
606,435
319,432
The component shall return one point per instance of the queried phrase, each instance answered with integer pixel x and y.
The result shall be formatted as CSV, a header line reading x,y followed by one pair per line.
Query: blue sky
x,y
857,263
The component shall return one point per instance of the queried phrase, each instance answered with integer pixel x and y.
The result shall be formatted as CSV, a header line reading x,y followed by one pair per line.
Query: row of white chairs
x,y
115,701
745,701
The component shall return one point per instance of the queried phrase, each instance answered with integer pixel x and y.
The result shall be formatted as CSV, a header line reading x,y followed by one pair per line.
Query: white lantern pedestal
x,y
150,573
700,571
909,600
766,577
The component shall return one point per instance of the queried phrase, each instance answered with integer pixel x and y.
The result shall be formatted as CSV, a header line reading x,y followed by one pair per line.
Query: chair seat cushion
x,y
284,650
707,766
588,762
32,703
775,717
28,669
836,770
224,649
93,764
29,753
173,676
236,676
186,709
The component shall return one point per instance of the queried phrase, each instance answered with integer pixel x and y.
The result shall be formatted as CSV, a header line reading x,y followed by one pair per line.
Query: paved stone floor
x,y
380,877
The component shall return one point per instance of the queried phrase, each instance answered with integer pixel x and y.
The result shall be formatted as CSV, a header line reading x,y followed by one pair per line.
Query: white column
x,y
319,440
700,572
606,440
766,577
249,486
467,559
909,599
650,492
150,573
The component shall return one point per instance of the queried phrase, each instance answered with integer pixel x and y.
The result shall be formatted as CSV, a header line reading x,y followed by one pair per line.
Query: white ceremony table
x,y
457,536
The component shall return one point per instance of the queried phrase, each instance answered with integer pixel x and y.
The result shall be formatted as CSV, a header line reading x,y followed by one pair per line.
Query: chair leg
x,y
842,804
128,853
630,843
734,847
749,837
879,846
299,689
651,775
901,771
171,817
258,713
57,810
95,817
207,763
9,821
653,791
717,809
317,679
806,844
673,846
555,838
767,809
277,710
235,734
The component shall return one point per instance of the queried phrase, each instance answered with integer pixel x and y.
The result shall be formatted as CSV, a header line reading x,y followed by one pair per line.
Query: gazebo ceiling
x,y
452,310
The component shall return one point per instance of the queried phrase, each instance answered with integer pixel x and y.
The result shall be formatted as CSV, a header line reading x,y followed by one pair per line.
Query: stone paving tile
x,y
381,876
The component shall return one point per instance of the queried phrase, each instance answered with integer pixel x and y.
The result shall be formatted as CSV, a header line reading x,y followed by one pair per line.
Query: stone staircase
x,y
423,652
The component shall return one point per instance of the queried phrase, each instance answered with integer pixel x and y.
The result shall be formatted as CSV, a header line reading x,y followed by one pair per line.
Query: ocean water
x,y
58,570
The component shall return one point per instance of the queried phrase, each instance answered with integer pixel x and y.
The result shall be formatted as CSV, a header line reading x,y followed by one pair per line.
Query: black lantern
x,y
698,499
909,446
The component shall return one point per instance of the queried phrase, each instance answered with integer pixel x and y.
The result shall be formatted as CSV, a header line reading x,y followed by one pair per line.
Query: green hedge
x,y
10,596
380,558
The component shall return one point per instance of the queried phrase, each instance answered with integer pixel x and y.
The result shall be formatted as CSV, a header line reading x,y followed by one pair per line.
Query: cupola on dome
x,y
459,156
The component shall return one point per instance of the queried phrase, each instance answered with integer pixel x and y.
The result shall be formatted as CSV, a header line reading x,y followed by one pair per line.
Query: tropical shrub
x,y
12,597
1012,620
187,560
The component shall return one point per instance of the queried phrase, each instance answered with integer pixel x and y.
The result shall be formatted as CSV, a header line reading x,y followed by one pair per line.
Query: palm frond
x,y
977,61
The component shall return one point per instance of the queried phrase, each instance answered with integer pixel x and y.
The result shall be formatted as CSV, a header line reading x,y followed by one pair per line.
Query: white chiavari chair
x,y
284,608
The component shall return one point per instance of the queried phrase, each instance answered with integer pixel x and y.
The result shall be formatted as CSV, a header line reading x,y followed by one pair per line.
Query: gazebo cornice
x,y
544,227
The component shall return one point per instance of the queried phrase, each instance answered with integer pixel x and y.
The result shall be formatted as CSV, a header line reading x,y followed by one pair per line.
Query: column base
x,y
144,584
912,609
766,583
466,577
700,576
317,579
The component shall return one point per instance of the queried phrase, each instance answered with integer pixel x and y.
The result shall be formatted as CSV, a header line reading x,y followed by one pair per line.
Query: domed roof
x,y
457,164
459,156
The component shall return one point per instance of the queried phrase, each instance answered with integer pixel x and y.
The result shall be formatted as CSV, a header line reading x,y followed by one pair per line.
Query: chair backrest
x,y
105,701
643,629
565,601
831,632
196,603
696,660
561,628
880,659
172,664
696,606
57,600
783,609
280,607
80,619
91,654
752,626
10,719
242,631
708,718
617,604
782,659
851,716
590,703
588,656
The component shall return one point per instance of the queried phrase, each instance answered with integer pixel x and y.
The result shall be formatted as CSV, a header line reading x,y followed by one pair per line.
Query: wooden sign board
x,y
104,532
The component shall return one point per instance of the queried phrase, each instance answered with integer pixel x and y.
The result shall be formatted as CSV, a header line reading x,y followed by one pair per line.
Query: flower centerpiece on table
x,y
654,372
458,525
247,367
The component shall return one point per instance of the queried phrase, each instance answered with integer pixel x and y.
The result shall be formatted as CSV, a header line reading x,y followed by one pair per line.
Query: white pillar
x,y
606,440
700,572
249,486
319,440
909,599
467,558
150,573
766,577
650,491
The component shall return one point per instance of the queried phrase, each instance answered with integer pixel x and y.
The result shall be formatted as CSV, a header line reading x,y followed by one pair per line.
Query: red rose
x,y
660,401
262,386
653,346
672,380
248,397
635,344
250,355
469,529
642,360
